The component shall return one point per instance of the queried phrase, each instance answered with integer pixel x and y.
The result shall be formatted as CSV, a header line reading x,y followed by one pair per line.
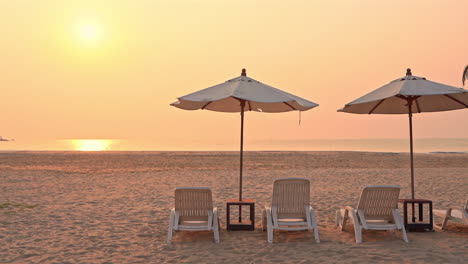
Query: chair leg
x,y
264,221
216,226
169,235
357,226
403,230
338,218
446,218
216,233
399,222
170,231
316,235
269,226
358,233
342,218
315,226
445,214
270,234
405,237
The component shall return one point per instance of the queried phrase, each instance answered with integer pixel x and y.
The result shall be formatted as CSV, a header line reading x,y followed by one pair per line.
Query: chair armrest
x,y
310,209
269,216
267,210
311,217
215,219
172,218
441,213
352,213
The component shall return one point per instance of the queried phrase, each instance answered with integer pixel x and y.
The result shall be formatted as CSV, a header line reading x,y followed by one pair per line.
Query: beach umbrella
x,y
239,95
408,95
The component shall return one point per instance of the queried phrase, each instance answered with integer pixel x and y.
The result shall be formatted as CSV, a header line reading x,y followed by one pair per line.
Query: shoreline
x,y
227,151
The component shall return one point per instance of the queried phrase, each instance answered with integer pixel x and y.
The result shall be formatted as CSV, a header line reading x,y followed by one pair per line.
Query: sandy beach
x,y
113,207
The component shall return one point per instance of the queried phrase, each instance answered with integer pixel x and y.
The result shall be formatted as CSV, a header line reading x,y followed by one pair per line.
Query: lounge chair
x,y
290,208
377,210
193,211
451,214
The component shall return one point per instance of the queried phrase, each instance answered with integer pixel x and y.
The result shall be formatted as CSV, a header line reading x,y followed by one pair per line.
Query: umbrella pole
x,y
241,157
410,116
411,153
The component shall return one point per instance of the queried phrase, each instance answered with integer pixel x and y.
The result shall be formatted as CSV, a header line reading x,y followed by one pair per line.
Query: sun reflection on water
x,y
92,144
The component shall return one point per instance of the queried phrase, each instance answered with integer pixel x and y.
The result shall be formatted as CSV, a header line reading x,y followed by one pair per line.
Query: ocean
x,y
421,145
425,145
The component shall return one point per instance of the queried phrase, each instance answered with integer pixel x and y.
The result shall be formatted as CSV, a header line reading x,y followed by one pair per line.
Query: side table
x,y
417,223
239,225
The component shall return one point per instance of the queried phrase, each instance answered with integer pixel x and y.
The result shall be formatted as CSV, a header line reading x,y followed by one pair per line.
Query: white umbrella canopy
x,y
259,97
428,97
408,95
239,95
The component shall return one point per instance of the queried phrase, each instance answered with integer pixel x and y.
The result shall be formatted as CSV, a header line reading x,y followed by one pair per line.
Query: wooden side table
x,y
417,223
240,225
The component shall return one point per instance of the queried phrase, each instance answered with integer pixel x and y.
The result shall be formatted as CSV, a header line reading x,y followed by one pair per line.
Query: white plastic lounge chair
x,y
193,211
452,214
290,208
377,210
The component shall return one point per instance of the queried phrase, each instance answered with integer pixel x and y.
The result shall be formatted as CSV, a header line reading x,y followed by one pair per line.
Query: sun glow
x,y
88,32
91,144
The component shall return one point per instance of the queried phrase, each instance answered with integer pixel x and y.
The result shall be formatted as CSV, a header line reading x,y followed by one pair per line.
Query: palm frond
x,y
465,75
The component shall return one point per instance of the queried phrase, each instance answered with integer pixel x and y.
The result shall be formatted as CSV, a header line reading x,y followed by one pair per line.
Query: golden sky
x,y
109,69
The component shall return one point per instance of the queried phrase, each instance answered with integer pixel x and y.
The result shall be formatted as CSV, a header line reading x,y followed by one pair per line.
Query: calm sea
x,y
425,145
378,145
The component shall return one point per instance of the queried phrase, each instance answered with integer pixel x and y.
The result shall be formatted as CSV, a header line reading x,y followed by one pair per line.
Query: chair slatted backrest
x,y
378,201
291,196
193,201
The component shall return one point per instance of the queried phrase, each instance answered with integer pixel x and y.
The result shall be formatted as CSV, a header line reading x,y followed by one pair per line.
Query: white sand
x,y
113,208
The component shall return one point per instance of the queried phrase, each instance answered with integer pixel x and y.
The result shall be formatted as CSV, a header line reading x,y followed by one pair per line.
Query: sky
x,y
109,69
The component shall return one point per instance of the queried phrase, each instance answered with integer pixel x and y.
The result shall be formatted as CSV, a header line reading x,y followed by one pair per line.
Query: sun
x,y
91,144
88,32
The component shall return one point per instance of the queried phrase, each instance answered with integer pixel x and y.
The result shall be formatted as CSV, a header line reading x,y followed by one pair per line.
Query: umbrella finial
x,y
408,72
244,73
